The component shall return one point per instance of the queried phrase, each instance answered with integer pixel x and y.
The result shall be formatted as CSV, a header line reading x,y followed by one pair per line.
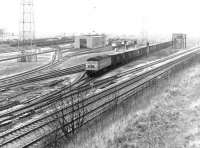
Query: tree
x,y
68,121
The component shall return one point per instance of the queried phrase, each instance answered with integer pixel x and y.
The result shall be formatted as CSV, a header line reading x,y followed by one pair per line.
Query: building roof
x,y
90,35
98,58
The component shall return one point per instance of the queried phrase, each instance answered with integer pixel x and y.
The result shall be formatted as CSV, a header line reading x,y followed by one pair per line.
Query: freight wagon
x,y
100,64
43,42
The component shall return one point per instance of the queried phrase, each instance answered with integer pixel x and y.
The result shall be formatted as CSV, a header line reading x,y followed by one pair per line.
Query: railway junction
x,y
82,86
99,74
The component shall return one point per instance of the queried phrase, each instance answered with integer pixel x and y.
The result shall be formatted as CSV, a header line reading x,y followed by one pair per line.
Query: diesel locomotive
x,y
98,65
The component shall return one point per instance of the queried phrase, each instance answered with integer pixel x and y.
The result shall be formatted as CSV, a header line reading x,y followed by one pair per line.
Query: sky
x,y
130,17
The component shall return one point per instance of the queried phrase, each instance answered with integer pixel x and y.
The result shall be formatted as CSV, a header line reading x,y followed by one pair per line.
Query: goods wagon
x,y
42,42
158,46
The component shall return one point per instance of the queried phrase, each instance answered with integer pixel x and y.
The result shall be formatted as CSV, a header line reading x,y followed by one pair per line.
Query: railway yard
x,y
111,96
99,74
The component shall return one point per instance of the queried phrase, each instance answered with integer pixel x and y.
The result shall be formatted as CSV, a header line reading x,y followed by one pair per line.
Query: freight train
x,y
98,65
43,42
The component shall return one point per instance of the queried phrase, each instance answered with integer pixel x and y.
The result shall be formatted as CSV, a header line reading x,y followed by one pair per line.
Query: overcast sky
x,y
108,16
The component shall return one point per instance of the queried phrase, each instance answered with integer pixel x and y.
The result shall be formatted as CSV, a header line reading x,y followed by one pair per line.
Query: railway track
x,y
26,74
52,74
50,98
95,104
49,75
33,72
38,102
45,76
24,78
53,63
33,124
34,75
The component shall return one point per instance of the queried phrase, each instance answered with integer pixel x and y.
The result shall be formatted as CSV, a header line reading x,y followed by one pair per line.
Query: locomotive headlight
x,y
92,65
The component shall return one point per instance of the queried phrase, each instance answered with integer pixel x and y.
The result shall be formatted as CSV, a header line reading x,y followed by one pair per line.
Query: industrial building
x,y
179,40
90,41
